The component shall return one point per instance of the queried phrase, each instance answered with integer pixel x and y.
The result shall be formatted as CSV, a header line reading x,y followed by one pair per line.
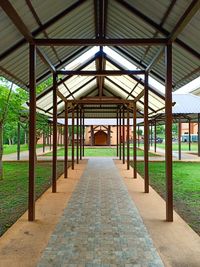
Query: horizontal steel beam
x,y
102,42
101,73
100,101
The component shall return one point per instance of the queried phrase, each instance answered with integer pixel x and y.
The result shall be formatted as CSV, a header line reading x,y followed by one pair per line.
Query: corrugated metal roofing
x,y
121,23
186,104
187,107
119,86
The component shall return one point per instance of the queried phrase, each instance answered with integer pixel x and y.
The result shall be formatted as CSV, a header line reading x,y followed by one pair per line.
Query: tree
x,y
139,132
10,108
160,129
175,129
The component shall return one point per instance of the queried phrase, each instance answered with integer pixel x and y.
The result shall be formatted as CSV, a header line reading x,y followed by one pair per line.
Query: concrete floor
x,y
23,244
176,242
101,225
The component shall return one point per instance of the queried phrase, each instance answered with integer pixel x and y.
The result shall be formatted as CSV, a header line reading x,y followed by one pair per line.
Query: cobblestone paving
x,y
100,225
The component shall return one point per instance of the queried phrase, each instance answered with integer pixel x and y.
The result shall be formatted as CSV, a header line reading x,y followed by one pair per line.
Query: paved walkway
x,y
24,155
185,155
100,225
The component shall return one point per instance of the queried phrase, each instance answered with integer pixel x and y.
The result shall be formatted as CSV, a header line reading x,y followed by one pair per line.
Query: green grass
x,y
186,180
9,149
184,146
14,189
98,152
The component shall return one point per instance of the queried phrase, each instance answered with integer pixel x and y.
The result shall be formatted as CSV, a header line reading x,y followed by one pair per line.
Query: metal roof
x,y
178,20
186,107
123,87
186,104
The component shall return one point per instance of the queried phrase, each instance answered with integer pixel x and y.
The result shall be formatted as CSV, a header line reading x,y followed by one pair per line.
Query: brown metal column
x,y
128,139
151,142
120,134
146,136
66,141
54,165
179,138
81,137
48,135
123,133
77,135
117,134
92,135
168,133
50,140
198,134
155,136
189,123
32,132
61,131
83,133
43,145
138,136
18,141
134,141
58,135
109,136
73,139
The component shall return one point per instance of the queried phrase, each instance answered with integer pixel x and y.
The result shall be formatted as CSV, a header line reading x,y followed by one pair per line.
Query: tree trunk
x,y
1,151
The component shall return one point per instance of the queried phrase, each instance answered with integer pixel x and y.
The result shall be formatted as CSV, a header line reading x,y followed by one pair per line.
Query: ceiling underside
x,y
108,19
75,87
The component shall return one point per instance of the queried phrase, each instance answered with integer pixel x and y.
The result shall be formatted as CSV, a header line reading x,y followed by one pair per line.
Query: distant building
x,y
98,135
185,128
193,126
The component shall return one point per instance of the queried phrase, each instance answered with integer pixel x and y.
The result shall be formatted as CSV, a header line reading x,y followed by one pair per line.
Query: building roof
x,y
186,104
122,87
23,21
186,107
196,91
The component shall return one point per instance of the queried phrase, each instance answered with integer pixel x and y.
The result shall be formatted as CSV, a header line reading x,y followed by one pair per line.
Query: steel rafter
x,y
156,26
43,27
30,5
22,28
181,24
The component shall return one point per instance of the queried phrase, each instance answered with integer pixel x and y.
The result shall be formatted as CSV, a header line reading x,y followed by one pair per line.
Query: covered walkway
x,y
100,224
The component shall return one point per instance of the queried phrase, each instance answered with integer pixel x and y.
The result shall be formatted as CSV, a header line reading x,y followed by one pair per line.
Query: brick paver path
x,y
100,225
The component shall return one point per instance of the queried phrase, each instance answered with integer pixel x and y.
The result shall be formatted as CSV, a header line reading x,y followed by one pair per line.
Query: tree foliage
x,y
12,106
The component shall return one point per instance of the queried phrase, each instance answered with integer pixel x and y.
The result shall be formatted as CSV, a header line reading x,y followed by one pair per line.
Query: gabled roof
x,y
22,21
123,87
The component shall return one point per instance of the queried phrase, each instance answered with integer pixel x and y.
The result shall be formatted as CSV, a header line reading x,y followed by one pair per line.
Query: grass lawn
x,y
184,146
186,177
9,149
14,189
99,152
